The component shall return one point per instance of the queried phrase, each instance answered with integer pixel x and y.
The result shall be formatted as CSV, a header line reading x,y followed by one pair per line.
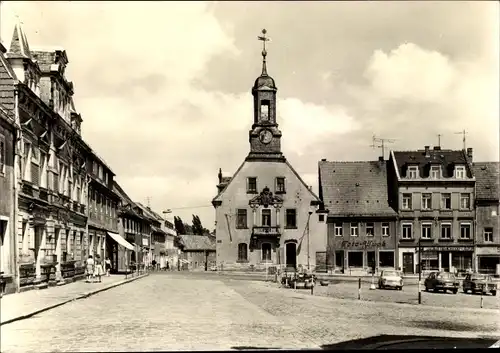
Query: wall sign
x,y
448,248
364,244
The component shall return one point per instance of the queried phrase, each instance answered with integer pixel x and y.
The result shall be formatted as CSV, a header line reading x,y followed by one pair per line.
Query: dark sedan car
x,y
441,281
479,283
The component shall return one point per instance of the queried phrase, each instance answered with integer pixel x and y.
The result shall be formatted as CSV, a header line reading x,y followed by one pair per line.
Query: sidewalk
x,y
20,306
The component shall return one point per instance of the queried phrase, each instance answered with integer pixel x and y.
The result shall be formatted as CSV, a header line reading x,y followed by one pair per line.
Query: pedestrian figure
x,y
90,268
162,263
98,271
108,266
154,264
168,265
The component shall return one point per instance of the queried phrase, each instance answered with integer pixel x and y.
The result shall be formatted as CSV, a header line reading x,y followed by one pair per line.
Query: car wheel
x,y
427,289
400,288
466,291
455,291
494,293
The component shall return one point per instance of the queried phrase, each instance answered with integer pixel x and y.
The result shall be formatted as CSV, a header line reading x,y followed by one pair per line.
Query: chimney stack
x,y
381,159
427,154
437,148
469,153
220,175
323,160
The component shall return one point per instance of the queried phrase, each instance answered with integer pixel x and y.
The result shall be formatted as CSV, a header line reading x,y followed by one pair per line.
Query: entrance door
x,y
291,255
445,261
408,262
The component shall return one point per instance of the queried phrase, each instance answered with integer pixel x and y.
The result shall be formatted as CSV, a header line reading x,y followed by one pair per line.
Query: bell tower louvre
x,y
264,137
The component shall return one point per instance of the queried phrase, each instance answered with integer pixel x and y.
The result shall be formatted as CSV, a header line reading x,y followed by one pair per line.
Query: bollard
x,y
481,299
312,287
359,288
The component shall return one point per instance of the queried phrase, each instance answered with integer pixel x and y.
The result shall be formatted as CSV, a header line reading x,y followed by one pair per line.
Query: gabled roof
x,y
197,242
446,158
7,81
487,180
217,198
355,188
19,47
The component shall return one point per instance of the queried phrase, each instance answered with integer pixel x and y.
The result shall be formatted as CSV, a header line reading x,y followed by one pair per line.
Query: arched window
x,y
242,252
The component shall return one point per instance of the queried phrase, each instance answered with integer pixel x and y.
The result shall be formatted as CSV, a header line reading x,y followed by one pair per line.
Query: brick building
x,y
433,192
265,214
487,217
8,134
361,223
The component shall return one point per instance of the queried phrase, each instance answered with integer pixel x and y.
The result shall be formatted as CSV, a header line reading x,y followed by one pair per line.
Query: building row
x,y
59,201
435,208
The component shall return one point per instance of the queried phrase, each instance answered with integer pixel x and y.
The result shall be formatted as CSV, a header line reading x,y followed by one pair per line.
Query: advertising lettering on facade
x,y
448,248
363,244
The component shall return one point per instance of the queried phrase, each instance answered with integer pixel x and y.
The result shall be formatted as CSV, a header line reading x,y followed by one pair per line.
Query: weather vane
x,y
264,39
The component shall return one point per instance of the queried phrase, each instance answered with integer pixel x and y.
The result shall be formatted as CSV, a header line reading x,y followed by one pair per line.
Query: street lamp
x,y
419,271
308,242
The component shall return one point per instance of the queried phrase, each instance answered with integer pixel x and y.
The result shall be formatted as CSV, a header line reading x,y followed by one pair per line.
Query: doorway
x,y
408,262
445,261
291,255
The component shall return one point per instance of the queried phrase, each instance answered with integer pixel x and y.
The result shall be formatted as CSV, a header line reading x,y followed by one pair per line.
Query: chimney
x,y
469,153
220,175
437,148
381,159
323,160
427,154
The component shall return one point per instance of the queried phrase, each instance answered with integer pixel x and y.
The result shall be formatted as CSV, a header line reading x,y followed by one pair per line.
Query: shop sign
x,y
449,248
145,241
364,244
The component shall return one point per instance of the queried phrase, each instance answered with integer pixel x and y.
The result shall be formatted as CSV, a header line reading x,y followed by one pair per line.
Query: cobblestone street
x,y
168,311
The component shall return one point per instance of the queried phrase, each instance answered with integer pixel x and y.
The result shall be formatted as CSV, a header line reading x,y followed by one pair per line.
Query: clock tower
x,y
265,137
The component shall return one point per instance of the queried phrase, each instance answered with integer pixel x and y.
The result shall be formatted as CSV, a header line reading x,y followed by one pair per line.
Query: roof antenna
x,y
463,133
439,139
148,200
382,142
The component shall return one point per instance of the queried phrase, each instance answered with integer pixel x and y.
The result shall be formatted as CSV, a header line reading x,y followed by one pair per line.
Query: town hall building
x,y
266,215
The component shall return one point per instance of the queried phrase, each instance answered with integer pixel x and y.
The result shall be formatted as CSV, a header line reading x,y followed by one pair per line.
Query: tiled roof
x,y
7,81
355,188
487,180
446,158
197,242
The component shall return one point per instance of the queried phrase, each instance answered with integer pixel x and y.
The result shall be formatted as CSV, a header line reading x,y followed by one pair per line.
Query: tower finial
x,y
264,39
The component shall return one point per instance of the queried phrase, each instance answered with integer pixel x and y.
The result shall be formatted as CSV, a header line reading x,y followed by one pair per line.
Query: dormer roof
x,y
19,47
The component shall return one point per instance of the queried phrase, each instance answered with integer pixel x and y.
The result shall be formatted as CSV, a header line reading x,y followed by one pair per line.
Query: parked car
x,y
476,282
441,281
390,279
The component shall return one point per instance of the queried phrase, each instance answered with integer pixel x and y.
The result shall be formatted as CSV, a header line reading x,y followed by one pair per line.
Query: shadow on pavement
x,y
412,342
448,326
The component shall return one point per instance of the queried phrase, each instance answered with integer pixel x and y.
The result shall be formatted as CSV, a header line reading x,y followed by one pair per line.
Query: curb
x,y
81,296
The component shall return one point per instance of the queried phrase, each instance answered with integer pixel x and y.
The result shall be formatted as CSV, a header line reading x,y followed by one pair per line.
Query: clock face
x,y
265,136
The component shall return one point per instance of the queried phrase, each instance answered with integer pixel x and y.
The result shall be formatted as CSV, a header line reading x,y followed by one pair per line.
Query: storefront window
x,y
462,261
339,258
430,261
386,258
355,259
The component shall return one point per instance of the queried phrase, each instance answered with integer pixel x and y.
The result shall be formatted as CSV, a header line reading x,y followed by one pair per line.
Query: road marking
x,y
496,344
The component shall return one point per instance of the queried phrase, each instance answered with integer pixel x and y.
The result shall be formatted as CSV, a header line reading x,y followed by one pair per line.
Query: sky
x,y
164,88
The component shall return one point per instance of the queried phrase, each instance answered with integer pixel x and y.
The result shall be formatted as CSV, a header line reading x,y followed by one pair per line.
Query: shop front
x,y
488,259
457,259
120,253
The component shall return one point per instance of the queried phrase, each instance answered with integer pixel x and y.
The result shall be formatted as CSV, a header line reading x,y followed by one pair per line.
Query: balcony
x,y
43,194
27,188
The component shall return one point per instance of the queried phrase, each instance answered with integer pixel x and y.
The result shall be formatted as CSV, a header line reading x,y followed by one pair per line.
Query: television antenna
x,y
379,142
463,133
439,139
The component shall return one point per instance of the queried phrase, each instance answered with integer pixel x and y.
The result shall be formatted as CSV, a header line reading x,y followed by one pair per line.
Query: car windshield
x,y
480,277
446,276
390,273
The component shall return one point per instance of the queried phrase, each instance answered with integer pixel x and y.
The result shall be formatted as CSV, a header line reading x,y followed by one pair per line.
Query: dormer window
x,y
412,172
435,171
460,172
264,110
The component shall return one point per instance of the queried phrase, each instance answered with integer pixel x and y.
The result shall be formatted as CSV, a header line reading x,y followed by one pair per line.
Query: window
x,y
465,231
338,229
435,171
488,234
242,252
354,230
280,185
252,185
355,259
426,230
446,201
386,258
460,172
406,201
370,229
27,161
266,252
43,170
465,201
445,230
412,172
370,259
266,217
264,110
291,218
426,201
241,219
407,231
3,154
385,229
321,217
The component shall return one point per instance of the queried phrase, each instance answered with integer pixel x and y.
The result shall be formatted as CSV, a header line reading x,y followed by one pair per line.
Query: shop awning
x,y
119,239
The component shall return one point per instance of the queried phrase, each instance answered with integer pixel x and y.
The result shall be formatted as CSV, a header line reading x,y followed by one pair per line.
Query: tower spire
x,y
264,39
